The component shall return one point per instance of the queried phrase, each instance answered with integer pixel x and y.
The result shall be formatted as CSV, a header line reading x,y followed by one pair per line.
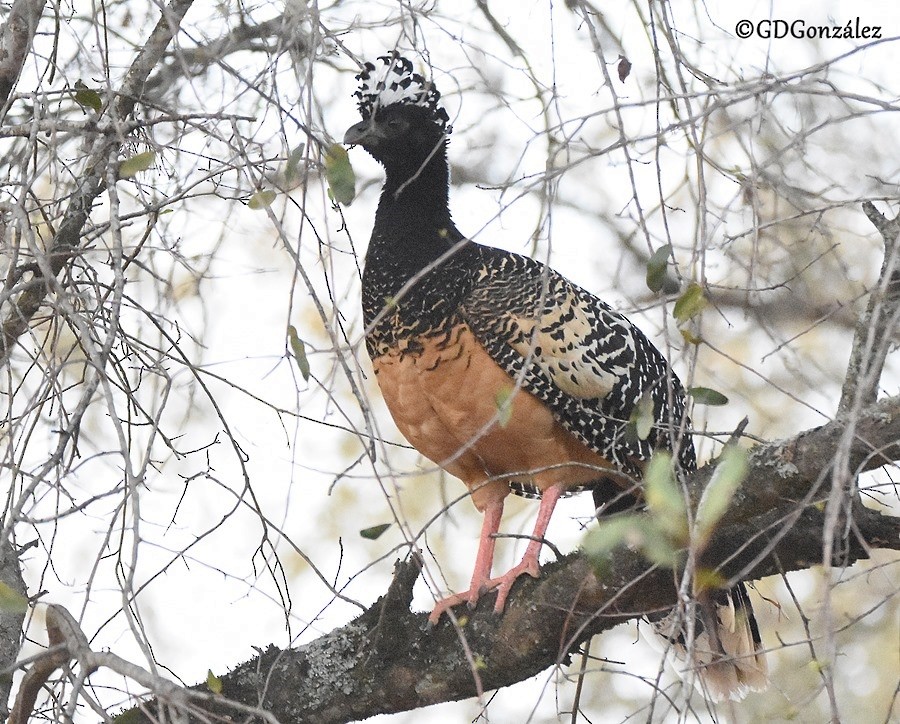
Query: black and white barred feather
x,y
585,361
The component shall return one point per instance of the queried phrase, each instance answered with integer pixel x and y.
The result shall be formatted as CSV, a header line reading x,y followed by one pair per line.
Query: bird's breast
x,y
462,411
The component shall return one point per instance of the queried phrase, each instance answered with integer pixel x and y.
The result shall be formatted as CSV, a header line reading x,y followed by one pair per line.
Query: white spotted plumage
x,y
585,361
561,343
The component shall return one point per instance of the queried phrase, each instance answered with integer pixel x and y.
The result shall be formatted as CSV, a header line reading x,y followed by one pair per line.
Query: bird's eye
x,y
395,124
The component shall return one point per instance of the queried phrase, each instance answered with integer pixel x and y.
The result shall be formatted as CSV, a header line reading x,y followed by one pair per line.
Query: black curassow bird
x,y
499,369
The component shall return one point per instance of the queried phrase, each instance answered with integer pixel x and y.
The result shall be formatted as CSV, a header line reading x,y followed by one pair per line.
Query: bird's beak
x,y
361,132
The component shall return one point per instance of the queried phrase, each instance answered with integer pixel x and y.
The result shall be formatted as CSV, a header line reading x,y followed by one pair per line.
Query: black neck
x,y
412,231
414,209
417,186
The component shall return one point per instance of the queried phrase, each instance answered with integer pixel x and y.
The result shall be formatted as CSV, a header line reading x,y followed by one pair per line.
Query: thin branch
x,y
65,637
266,37
875,328
68,643
65,244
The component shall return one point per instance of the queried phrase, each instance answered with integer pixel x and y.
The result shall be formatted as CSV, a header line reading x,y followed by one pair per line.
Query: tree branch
x,y
269,36
774,526
875,328
65,242
11,620
15,42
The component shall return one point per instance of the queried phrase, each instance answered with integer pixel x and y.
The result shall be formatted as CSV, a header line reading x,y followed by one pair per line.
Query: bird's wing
x,y
585,361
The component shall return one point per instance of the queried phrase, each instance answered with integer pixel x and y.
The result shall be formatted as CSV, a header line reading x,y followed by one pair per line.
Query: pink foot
x,y
503,584
482,572
445,604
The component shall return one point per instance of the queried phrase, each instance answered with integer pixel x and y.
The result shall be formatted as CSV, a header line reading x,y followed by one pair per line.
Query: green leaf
x,y
299,350
689,337
658,278
665,500
339,174
817,665
707,396
293,162
139,162
707,579
661,534
659,548
690,303
11,601
609,535
730,472
504,403
87,97
642,416
213,682
638,531
375,531
261,199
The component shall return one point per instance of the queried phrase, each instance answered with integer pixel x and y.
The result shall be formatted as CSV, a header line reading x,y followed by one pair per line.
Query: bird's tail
x,y
725,659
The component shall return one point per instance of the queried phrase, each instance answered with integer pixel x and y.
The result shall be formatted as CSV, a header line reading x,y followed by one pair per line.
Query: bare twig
x,y
875,329
65,242
65,638
68,643
266,37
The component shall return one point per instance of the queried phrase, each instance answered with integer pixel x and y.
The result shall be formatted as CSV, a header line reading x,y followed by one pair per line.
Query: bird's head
x,y
403,122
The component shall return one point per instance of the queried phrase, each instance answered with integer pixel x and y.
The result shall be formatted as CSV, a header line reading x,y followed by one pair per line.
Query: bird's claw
x,y
502,584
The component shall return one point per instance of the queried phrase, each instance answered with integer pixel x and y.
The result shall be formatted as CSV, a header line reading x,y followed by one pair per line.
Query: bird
x,y
509,376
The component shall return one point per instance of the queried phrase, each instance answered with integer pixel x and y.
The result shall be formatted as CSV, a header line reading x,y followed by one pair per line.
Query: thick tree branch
x,y
11,620
15,42
65,242
775,525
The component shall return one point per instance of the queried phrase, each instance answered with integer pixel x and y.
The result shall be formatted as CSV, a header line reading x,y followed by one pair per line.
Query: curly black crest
x,y
394,81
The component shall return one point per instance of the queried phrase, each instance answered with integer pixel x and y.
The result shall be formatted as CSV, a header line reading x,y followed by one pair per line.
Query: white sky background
x,y
215,603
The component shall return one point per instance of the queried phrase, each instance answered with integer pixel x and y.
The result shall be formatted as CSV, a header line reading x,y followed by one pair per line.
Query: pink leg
x,y
530,563
483,562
